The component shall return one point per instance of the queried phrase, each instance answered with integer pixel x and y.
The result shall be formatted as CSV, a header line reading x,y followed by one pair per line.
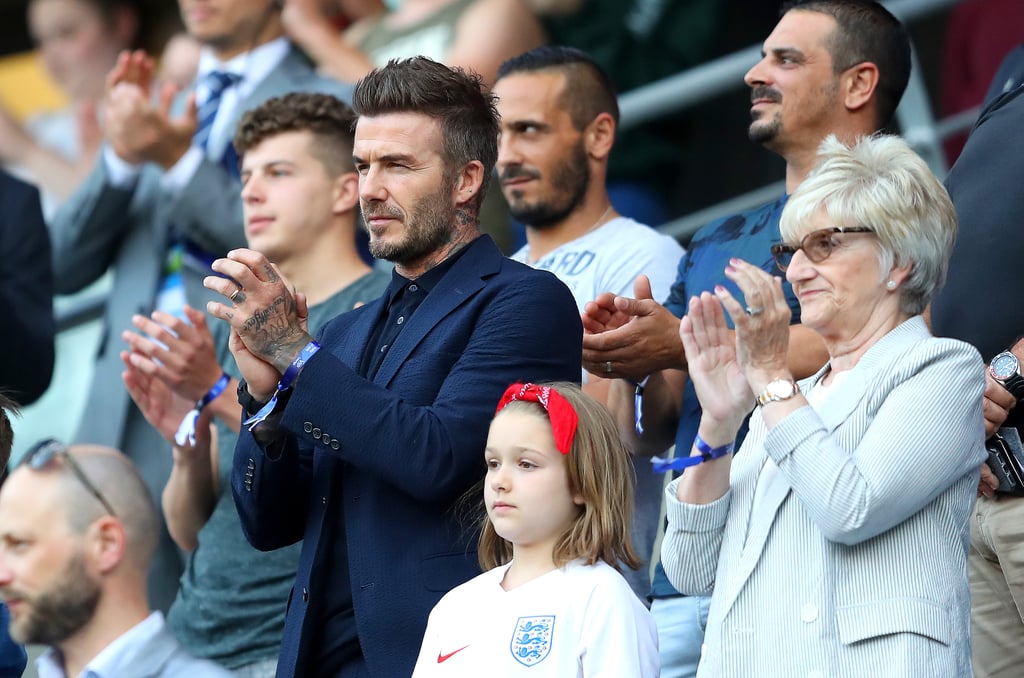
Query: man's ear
x,y
106,543
468,182
345,192
858,85
599,136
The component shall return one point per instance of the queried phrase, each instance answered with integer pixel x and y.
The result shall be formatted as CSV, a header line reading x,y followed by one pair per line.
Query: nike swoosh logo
x,y
446,657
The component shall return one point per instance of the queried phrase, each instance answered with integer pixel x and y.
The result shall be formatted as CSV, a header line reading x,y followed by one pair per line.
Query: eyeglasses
x,y
43,452
817,245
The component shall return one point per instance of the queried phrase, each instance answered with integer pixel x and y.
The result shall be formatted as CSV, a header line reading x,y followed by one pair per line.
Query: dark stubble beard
x,y
762,131
570,180
765,131
60,611
428,227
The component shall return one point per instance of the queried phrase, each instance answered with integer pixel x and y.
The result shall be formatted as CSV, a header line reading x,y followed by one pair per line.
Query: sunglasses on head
x,y
817,245
45,451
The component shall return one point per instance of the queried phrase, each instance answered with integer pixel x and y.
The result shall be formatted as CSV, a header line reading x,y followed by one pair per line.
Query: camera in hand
x,y
1006,459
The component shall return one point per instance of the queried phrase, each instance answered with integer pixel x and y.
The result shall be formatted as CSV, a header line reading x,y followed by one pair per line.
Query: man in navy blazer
x,y
366,442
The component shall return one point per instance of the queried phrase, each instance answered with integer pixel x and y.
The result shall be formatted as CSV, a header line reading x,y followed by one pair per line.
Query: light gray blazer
x,y
102,226
855,563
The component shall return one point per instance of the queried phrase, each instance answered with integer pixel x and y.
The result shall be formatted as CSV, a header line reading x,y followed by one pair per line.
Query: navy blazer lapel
x,y
463,281
358,334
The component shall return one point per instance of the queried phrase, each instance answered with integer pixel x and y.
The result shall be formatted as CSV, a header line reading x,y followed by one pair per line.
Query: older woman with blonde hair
x,y
836,539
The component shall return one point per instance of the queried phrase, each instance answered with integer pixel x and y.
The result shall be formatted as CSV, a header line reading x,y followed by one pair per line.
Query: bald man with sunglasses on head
x,y
77,531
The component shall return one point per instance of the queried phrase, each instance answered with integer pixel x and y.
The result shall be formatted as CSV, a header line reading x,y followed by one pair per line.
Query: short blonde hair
x,y
881,183
600,470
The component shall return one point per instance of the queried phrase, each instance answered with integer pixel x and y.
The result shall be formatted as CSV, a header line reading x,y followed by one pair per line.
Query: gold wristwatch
x,y
778,390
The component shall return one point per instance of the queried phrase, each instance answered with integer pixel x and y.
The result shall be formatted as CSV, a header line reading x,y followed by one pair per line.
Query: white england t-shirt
x,y
580,620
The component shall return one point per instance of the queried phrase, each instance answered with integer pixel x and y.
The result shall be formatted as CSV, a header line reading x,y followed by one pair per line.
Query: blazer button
x,y
316,433
326,440
251,465
808,613
307,426
335,444
305,595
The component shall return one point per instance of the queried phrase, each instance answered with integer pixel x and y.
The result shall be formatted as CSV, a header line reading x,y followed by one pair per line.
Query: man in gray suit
x,y
77,530
163,202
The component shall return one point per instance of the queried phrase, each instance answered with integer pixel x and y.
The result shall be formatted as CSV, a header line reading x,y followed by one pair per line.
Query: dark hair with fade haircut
x,y
589,91
455,97
866,31
326,117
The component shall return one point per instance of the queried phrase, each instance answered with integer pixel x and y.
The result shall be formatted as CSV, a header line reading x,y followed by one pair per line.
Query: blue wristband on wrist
x,y
287,379
707,453
187,429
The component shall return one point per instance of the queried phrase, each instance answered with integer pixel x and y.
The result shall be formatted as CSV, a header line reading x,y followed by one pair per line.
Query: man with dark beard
x,y
361,443
77,531
558,119
829,67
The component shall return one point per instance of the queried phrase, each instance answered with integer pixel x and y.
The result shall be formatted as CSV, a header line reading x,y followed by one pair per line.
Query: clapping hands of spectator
x,y
138,129
630,338
168,353
269,320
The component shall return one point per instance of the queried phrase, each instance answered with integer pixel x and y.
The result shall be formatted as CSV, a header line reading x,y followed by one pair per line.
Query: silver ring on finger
x,y
753,312
234,297
608,367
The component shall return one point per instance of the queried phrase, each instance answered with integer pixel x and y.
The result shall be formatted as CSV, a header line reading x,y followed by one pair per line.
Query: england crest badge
x,y
531,640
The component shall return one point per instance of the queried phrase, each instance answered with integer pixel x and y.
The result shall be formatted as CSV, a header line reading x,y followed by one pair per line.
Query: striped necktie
x,y
217,82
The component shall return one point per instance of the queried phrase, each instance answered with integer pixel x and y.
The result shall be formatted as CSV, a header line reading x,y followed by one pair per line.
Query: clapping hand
x,y
716,373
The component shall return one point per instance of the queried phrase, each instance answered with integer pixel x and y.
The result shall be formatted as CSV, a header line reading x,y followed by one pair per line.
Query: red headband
x,y
563,417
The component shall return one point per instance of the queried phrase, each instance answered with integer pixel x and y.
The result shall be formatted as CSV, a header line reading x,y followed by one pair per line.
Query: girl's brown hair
x,y
600,470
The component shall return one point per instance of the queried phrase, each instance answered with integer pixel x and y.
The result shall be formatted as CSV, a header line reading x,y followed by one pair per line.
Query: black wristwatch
x,y
1005,368
250,405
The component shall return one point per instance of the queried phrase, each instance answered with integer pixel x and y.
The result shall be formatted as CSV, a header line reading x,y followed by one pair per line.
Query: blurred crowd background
x,y
693,159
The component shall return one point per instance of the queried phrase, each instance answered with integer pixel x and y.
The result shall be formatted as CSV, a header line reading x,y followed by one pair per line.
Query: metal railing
x,y
698,85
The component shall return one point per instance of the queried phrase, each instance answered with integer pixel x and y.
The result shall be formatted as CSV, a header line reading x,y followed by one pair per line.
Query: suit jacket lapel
x,y
361,327
463,281
836,408
748,547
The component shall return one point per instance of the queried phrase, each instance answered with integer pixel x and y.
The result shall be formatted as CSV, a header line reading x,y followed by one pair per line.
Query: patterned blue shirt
x,y
748,236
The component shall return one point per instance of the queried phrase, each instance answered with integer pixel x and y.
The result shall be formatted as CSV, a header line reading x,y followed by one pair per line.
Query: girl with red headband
x,y
558,496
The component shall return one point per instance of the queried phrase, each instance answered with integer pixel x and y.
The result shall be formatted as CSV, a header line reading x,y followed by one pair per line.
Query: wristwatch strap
x,y
1015,385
